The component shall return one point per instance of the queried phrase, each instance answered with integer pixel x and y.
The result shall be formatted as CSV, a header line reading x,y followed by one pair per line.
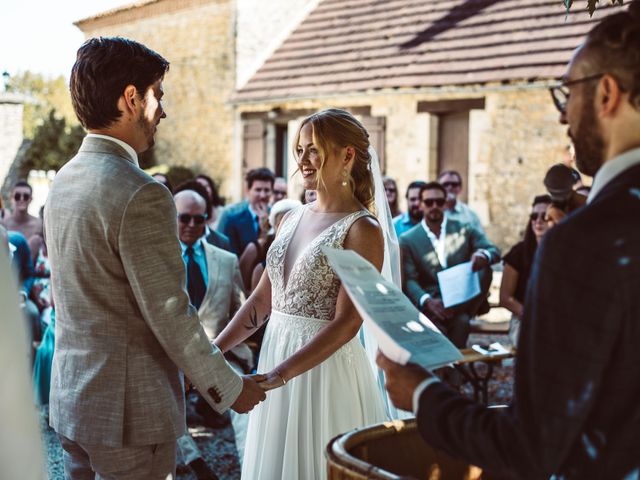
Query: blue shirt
x,y
200,258
403,223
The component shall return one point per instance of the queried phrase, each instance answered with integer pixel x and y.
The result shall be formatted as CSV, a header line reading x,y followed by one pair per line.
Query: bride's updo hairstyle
x,y
334,129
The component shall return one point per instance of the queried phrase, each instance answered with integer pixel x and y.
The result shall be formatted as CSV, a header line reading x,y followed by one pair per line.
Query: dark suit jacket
x,y
577,395
238,225
420,264
219,240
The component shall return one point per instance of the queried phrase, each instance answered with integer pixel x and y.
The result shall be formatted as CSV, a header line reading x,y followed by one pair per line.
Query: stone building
x,y
441,84
11,134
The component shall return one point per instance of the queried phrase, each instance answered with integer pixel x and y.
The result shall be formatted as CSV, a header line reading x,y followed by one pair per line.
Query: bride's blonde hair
x,y
333,129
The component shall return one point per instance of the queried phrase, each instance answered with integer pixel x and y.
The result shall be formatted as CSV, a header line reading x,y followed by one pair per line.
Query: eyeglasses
x,y
186,218
560,93
430,201
390,189
451,184
21,196
279,192
538,216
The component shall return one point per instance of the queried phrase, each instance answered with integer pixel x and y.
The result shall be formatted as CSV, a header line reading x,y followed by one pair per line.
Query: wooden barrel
x,y
392,450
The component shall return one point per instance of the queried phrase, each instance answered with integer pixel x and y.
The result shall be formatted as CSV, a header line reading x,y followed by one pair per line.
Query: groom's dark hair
x,y
104,67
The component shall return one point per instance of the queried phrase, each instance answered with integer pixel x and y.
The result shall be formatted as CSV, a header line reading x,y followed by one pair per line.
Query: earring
x,y
345,177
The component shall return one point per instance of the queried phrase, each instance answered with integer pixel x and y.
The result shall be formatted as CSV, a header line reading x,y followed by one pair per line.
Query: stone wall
x,y
11,110
197,37
512,142
261,27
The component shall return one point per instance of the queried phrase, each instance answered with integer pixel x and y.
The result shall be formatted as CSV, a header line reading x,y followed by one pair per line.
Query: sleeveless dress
x,y
289,431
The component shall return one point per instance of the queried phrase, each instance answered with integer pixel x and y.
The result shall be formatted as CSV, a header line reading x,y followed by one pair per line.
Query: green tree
x,y
591,4
45,94
53,144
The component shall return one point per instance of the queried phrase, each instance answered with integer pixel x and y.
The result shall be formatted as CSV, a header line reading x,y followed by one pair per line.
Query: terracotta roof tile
x,y
360,45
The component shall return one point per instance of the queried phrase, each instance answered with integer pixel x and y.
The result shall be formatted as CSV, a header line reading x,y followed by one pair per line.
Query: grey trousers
x,y
95,462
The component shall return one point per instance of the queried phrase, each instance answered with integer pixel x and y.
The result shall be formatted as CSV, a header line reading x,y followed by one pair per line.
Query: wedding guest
x,y
413,215
243,222
456,209
217,202
279,190
20,220
391,191
575,411
517,264
312,356
559,182
214,237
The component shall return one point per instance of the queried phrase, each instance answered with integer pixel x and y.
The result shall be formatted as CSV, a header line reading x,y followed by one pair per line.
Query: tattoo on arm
x,y
254,323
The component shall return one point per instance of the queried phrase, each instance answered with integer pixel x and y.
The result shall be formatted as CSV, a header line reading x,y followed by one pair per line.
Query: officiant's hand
x,y
250,396
479,261
401,380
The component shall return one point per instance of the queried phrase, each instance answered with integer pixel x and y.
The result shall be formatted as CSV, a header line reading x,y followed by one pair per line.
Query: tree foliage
x,y
54,142
591,4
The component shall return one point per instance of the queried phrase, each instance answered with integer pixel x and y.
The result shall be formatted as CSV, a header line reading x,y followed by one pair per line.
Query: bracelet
x,y
284,381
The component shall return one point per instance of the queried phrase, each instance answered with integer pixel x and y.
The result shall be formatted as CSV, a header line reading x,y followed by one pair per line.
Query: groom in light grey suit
x,y
124,326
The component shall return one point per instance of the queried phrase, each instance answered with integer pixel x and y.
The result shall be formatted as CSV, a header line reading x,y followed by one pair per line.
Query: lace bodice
x,y
311,289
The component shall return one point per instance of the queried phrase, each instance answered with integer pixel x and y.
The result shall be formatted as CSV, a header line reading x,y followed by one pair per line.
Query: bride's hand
x,y
272,380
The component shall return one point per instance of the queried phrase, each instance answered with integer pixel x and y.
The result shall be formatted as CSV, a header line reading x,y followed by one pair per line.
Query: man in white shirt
x,y
456,209
575,412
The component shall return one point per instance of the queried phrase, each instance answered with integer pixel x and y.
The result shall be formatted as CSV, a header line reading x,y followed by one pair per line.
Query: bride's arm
x,y
365,237
255,311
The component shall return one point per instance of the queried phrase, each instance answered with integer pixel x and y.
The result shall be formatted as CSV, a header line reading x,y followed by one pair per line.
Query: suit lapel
x,y
428,254
212,268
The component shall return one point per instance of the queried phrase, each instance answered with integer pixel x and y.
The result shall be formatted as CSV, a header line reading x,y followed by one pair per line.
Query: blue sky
x,y
39,35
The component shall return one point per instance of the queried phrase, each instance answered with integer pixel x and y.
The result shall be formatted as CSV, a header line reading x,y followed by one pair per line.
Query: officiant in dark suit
x,y
576,412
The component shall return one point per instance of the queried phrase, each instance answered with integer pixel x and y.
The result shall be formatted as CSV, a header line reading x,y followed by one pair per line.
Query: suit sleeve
x,y
559,376
227,227
479,241
150,254
410,275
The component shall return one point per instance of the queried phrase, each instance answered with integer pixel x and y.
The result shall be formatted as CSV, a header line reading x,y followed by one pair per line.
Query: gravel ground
x,y
218,446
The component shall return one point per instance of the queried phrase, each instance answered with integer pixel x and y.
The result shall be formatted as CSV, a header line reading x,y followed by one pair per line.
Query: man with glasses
x,y
435,244
456,209
279,190
20,220
575,413
215,289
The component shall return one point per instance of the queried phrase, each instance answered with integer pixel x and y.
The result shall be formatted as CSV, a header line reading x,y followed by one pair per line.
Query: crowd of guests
x,y
224,249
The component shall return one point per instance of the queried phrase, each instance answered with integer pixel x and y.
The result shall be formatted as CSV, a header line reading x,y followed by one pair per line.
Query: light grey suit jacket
x,y
224,296
420,264
124,325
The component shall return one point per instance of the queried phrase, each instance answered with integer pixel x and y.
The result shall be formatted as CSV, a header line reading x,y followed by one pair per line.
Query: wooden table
x,y
479,382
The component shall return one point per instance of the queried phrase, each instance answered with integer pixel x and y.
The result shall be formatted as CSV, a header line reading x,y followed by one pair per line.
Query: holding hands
x,y
251,395
269,381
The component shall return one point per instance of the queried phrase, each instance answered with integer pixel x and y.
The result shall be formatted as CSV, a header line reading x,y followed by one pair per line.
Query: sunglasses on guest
x,y
186,218
21,196
451,184
538,216
430,201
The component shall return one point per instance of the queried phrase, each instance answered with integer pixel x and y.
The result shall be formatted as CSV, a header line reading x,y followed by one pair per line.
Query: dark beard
x,y
588,142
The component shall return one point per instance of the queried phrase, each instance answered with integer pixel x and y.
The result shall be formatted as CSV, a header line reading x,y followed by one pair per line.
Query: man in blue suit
x,y
242,222
576,411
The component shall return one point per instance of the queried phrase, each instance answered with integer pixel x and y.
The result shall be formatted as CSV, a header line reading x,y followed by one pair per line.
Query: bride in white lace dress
x,y
322,381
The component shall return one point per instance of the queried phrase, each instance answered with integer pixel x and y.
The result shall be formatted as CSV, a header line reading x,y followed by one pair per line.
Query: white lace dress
x,y
289,431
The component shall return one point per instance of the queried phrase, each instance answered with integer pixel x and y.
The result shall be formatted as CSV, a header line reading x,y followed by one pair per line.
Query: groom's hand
x,y
250,396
